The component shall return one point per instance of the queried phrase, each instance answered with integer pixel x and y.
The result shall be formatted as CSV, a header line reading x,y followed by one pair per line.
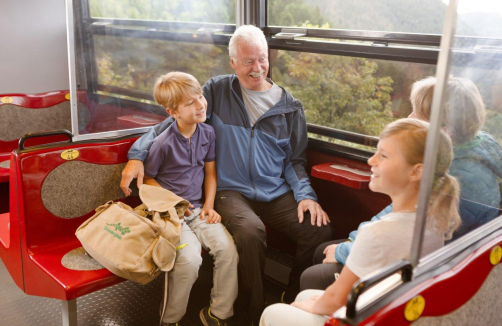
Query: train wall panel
x,y
481,309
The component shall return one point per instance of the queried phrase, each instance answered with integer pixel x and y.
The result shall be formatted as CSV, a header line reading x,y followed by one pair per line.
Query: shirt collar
x,y
178,133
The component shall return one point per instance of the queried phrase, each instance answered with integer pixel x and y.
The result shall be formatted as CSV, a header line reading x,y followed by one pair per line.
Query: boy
x,y
181,159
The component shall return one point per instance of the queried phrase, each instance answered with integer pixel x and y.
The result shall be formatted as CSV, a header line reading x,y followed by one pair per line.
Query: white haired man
x,y
261,138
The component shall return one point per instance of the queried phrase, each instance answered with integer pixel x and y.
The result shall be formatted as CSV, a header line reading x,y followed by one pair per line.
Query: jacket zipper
x,y
251,152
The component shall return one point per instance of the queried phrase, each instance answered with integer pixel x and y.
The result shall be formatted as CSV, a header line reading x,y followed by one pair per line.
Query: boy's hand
x,y
188,212
329,251
211,215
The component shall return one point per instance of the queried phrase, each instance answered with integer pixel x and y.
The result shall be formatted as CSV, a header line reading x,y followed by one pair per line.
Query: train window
x,y
357,95
121,47
390,16
145,60
353,73
209,11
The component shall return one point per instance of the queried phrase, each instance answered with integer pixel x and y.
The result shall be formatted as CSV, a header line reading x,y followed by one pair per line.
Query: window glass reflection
x,y
473,113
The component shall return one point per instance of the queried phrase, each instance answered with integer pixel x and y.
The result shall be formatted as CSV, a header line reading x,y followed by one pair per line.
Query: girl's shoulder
x,y
389,224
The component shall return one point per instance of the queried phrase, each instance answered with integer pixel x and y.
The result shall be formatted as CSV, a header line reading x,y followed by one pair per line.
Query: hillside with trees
x,y
355,94
410,16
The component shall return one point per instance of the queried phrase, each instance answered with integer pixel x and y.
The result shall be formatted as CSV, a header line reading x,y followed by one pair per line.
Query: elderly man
x,y
261,138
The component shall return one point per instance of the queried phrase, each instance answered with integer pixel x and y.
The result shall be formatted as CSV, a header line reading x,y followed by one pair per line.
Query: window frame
x,y
375,46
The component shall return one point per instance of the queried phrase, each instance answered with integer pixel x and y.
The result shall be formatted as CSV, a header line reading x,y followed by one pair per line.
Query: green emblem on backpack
x,y
119,228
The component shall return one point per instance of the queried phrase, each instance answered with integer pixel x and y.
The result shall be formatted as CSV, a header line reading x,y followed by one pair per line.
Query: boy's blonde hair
x,y
464,108
172,88
443,205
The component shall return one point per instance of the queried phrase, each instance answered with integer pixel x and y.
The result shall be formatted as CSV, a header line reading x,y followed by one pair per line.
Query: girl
x,y
396,171
477,163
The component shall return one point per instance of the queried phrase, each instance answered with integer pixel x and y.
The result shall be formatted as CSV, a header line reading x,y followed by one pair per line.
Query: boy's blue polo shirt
x,y
178,164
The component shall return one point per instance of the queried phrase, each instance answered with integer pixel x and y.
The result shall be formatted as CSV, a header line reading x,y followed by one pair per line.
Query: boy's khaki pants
x,y
219,243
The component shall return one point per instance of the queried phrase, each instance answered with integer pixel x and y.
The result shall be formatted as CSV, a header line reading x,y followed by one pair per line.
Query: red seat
x,y
33,240
48,277
4,171
30,101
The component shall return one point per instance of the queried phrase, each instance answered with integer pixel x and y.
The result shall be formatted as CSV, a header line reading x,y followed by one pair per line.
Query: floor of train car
x,y
124,304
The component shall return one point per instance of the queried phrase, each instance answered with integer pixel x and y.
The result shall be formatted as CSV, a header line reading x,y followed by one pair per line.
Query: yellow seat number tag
x,y
70,154
414,308
6,99
496,255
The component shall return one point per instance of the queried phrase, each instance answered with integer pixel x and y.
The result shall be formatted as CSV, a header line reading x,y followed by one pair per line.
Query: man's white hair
x,y
246,34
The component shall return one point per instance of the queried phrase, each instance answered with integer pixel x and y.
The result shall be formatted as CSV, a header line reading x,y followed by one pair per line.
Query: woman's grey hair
x,y
246,34
465,111
464,107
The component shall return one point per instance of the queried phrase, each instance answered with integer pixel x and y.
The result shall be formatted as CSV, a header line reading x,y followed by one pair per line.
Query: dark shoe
x,y
208,319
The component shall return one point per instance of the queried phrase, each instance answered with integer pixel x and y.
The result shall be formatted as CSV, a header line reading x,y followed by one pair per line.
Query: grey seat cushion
x,y
76,188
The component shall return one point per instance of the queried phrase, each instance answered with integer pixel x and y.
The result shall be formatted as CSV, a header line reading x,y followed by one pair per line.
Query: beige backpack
x,y
136,244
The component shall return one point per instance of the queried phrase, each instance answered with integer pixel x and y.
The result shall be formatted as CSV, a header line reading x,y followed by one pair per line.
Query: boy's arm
x,y
139,150
210,182
137,154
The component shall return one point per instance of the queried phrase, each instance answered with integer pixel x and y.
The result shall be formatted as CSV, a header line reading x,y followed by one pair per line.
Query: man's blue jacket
x,y
261,161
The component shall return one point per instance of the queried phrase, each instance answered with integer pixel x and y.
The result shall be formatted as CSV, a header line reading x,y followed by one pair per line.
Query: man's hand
x,y
133,169
329,251
316,212
212,216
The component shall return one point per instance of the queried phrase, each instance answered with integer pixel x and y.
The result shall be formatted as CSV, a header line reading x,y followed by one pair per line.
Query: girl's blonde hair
x,y
443,216
464,108
172,88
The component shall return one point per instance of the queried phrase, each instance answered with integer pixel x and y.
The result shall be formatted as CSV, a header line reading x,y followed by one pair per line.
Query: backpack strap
x,y
165,297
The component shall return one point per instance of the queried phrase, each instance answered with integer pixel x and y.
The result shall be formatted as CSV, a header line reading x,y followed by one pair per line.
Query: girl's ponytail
x,y
443,205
